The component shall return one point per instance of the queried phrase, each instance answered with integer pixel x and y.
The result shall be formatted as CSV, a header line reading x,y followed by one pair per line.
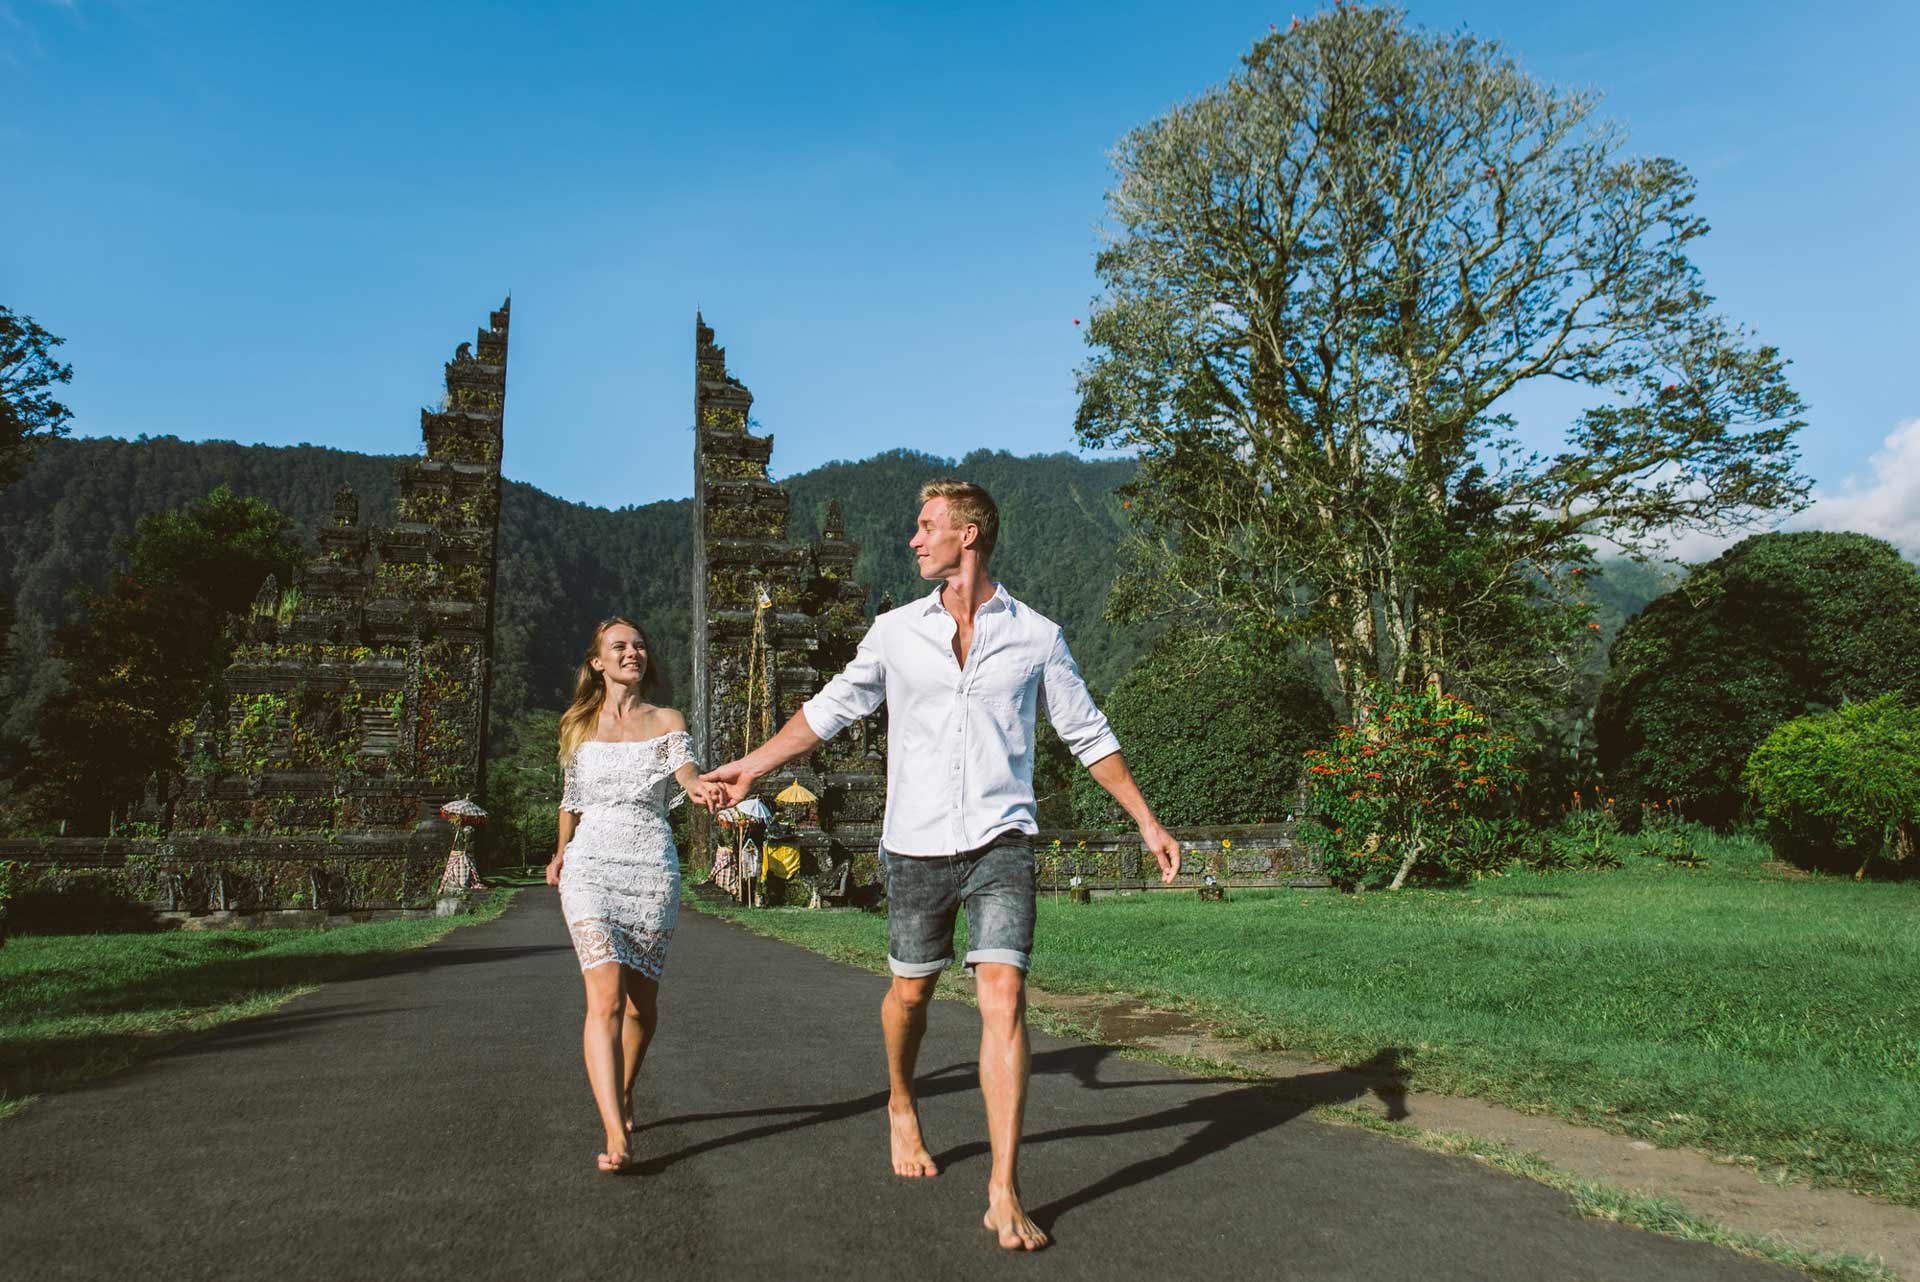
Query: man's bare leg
x,y
903,1020
1002,993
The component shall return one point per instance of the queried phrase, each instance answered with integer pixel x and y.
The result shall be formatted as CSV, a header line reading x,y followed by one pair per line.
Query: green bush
x,y
1842,789
1391,795
1780,626
1213,727
1480,846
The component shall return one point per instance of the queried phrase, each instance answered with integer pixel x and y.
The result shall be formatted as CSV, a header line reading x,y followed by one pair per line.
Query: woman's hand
x,y
553,869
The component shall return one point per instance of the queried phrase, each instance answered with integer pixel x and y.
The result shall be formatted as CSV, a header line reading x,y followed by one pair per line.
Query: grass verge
x,y
1765,1017
1606,1202
78,1007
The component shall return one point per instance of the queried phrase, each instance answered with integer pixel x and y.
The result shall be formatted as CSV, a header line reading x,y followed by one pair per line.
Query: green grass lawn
x,y
77,1007
1734,1007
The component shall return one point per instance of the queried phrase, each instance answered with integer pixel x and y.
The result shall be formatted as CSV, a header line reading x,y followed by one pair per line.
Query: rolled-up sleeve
x,y
854,693
1080,725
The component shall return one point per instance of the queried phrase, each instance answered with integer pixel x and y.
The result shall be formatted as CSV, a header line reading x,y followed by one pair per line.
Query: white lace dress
x,y
620,878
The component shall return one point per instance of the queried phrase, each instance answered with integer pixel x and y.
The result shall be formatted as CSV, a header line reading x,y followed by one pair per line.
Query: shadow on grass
x,y
34,1065
1206,1125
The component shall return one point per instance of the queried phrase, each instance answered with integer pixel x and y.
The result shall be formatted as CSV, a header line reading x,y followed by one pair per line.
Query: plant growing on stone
x,y
1394,783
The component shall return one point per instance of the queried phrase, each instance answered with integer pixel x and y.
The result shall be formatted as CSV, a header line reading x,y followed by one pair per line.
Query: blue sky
x,y
271,223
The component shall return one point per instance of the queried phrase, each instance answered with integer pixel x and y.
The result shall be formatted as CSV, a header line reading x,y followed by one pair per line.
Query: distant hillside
x,y
1059,526
563,566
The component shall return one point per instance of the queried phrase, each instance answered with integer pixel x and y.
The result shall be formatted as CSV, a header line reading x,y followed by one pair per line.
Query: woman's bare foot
x,y
910,1157
1006,1218
618,1159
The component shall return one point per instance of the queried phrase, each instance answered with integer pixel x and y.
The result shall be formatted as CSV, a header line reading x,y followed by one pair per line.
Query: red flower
x,y
1373,774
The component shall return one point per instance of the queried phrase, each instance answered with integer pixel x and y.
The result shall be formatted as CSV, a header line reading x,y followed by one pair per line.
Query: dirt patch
x,y
1713,1188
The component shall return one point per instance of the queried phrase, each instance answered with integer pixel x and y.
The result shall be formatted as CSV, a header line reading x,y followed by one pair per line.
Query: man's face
x,y
936,541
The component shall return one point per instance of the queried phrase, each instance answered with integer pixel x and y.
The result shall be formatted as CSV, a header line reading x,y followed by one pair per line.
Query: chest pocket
x,y
1007,695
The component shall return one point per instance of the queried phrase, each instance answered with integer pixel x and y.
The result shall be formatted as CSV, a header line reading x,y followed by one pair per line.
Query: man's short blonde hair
x,y
968,504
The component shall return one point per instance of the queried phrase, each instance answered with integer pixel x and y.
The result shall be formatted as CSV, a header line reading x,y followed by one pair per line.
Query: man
x,y
962,673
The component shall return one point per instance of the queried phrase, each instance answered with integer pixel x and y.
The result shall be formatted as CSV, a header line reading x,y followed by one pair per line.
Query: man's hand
x,y
1166,851
728,785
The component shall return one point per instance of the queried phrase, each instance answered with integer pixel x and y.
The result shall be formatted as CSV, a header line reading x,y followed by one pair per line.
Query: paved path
x,y
432,1120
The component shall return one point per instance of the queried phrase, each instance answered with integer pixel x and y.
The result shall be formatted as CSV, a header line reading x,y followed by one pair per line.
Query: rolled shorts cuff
x,y
918,970
995,956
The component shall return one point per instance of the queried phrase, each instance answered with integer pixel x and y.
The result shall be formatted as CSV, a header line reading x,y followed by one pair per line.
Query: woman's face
x,y
623,655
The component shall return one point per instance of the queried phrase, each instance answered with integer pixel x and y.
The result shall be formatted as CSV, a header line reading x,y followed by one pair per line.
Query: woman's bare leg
x,y
600,1042
641,1019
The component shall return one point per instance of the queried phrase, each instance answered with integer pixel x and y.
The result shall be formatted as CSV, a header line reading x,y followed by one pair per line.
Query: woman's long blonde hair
x,y
577,723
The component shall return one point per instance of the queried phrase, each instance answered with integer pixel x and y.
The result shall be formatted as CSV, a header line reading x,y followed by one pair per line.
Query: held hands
x,y
727,785
1166,851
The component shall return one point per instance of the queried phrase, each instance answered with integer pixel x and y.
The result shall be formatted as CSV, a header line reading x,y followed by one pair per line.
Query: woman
x,y
617,869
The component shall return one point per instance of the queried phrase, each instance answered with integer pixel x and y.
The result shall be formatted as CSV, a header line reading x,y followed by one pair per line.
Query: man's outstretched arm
x,y
1111,773
736,778
850,696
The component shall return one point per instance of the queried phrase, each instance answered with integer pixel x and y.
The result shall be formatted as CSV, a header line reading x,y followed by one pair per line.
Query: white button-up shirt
x,y
960,739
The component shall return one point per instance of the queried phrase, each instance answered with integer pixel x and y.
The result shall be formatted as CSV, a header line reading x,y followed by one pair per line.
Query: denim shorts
x,y
925,894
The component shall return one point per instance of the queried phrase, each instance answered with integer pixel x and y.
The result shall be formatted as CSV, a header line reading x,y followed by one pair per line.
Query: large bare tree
x,y
1324,283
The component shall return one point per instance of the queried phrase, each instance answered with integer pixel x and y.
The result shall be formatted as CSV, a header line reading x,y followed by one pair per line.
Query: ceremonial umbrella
x,y
460,875
796,793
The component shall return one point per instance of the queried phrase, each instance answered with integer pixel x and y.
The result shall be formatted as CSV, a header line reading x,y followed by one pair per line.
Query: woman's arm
x,y
688,777
568,821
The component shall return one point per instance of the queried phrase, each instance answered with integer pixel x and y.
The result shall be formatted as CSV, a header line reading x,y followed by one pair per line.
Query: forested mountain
x,y
1059,525
565,566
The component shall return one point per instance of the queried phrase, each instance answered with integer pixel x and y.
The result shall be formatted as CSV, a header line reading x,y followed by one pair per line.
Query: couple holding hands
x,y
962,672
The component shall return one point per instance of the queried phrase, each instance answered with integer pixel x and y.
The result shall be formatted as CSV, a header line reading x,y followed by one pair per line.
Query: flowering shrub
x,y
1390,790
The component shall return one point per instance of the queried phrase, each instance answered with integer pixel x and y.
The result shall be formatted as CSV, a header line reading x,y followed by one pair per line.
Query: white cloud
x,y
1888,507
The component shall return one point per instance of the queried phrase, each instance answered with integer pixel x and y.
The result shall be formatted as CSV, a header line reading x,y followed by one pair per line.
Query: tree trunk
x,y
1407,861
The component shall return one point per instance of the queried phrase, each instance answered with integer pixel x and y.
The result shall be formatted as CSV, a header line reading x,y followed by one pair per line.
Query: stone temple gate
x,y
356,702
772,621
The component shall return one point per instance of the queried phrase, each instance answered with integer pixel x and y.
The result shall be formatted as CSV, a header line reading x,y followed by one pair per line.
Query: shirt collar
x,y
1000,599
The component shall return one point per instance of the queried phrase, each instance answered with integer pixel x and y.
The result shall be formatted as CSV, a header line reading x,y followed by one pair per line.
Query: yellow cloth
x,y
784,860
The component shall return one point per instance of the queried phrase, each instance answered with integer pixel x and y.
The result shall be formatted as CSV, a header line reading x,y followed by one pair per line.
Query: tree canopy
x,y
1325,280
1779,626
147,653
1214,727
28,373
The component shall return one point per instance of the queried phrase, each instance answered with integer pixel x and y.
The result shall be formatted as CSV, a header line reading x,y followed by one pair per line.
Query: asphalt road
x,y
432,1120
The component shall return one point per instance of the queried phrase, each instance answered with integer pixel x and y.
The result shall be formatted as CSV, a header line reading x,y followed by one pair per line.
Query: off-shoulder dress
x,y
620,877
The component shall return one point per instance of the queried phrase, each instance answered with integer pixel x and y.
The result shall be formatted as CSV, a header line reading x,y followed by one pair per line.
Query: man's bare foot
x,y
910,1157
1006,1218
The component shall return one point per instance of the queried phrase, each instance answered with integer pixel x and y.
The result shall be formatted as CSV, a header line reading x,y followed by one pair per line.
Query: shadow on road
x,y
1208,1124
